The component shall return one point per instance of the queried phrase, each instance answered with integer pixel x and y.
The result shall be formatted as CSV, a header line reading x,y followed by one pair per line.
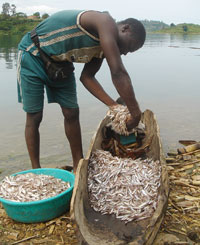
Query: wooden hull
x,y
94,228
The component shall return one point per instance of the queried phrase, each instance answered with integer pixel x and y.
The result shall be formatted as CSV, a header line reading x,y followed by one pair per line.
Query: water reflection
x,y
8,49
9,43
184,40
165,80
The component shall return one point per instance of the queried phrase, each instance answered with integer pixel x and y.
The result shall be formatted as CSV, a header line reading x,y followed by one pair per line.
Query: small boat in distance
x,y
97,229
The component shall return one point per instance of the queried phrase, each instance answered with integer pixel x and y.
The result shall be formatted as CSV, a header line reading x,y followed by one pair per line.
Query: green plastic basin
x,y
46,209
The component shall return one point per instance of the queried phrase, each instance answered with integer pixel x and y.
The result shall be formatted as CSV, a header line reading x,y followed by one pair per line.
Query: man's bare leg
x,y
32,137
73,133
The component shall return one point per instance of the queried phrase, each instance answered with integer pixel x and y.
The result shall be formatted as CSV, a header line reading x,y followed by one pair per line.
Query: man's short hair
x,y
137,29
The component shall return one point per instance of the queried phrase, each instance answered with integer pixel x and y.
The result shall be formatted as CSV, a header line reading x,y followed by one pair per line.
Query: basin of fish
x,y
31,187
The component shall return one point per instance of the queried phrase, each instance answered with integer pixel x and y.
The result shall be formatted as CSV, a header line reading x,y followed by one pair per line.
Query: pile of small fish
x,y
122,186
119,115
31,187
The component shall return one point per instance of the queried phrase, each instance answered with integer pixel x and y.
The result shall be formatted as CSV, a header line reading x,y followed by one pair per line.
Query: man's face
x,y
127,43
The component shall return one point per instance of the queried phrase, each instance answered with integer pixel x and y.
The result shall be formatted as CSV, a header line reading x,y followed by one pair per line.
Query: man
x,y
75,36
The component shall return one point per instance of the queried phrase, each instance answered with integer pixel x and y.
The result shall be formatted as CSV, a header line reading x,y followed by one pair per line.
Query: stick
x,y
173,205
179,232
177,182
190,153
23,240
187,163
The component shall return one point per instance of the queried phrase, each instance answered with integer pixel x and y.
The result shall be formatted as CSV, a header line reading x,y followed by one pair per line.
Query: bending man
x,y
75,36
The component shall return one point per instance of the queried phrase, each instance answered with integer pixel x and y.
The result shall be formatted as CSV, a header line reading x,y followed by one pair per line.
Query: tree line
x,y
10,10
13,22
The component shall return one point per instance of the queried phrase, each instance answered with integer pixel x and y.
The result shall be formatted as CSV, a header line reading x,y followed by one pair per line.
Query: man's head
x,y
132,35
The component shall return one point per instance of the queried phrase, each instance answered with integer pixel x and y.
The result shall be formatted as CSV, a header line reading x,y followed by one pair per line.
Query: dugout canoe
x,y
94,228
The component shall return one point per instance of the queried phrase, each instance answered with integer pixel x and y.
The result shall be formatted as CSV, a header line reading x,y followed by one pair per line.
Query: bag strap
x,y
45,58
35,38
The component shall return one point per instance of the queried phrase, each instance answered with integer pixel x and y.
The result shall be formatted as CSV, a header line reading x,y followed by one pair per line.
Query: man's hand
x,y
133,121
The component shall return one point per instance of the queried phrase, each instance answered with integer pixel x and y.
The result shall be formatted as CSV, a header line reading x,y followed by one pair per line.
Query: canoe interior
x,y
94,228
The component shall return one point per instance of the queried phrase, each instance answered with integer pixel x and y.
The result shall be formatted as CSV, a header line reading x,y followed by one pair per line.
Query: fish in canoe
x,y
93,227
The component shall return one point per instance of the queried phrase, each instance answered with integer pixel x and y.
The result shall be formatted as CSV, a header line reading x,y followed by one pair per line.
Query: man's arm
x,y
107,31
90,82
120,77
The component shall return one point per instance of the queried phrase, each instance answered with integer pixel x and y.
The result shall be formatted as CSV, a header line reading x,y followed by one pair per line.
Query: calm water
x,y
166,77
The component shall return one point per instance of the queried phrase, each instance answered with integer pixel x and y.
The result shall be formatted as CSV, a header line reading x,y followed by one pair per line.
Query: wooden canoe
x,y
94,228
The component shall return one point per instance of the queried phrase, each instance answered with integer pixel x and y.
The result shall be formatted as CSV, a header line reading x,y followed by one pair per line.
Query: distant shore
x,y
15,25
181,29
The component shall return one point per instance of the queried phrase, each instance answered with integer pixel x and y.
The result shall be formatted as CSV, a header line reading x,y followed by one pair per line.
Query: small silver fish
x,y
119,115
31,187
123,186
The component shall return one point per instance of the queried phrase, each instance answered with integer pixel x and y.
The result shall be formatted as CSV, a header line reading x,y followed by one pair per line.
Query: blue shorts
x,y
31,81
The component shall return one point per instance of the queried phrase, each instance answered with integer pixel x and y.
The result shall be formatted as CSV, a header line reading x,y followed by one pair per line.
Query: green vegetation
x,y
181,29
16,25
161,27
13,22
153,25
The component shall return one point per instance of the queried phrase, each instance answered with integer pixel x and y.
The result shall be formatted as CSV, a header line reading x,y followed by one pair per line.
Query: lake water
x,y
166,78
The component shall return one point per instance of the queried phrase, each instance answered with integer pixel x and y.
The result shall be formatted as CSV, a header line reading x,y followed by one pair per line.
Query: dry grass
x,y
181,224
55,232
183,213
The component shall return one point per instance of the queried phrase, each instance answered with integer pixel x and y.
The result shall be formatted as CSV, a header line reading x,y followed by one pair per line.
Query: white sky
x,y
168,11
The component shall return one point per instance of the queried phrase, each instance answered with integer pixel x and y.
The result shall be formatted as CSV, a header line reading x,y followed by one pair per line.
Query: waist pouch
x,y
56,71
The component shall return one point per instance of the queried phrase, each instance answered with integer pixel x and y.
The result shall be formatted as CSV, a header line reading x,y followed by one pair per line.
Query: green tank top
x,y
62,37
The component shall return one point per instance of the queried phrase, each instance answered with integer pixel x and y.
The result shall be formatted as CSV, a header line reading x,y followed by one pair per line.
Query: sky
x,y
168,11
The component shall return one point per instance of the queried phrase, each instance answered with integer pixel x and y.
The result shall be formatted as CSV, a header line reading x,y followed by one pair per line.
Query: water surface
x,y
165,76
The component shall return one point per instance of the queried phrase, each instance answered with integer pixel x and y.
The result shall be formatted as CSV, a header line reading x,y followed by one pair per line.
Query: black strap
x,y
35,38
